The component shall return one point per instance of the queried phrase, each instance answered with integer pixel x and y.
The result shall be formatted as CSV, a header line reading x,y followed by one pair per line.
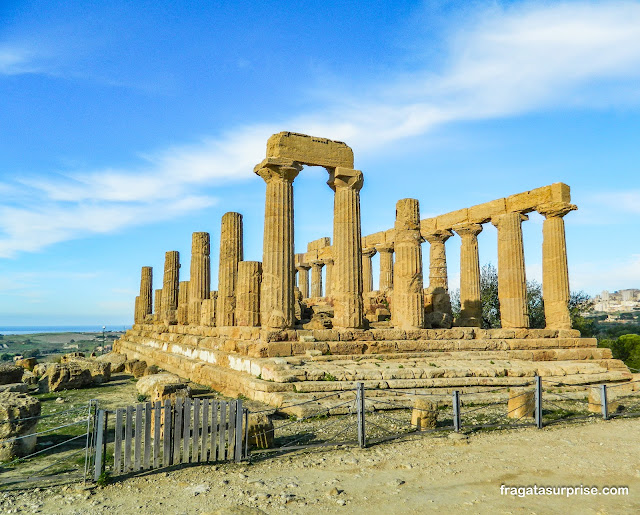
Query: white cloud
x,y
502,62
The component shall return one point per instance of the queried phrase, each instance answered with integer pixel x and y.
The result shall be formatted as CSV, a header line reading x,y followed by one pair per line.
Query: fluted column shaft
x,y
316,278
438,300
231,253
386,266
303,281
183,303
347,272
367,270
200,280
137,312
146,291
555,271
170,283
470,303
158,305
278,265
328,276
248,293
512,281
408,303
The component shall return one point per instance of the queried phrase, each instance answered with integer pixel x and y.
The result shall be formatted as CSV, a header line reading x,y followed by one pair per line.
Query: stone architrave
x,y
367,270
328,276
303,280
316,278
470,303
183,303
386,266
200,279
438,301
157,298
170,283
248,293
408,303
512,282
146,291
347,248
555,273
231,253
278,265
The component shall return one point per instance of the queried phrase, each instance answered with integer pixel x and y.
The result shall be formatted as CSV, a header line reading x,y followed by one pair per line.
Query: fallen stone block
x,y
15,407
424,414
64,376
10,373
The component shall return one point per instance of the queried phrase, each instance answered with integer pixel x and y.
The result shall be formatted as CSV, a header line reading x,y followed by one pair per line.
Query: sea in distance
x,y
35,329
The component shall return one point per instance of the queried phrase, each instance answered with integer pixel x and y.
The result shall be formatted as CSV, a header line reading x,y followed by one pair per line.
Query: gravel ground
x,y
438,471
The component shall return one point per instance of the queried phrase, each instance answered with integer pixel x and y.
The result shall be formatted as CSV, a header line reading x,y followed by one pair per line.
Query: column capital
x,y
317,263
497,219
467,229
439,236
385,247
340,177
274,168
555,209
303,266
327,261
369,252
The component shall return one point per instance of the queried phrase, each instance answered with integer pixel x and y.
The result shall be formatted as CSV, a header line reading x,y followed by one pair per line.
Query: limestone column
x,y
316,278
470,303
367,270
146,291
408,303
512,282
158,305
183,303
230,255
200,280
438,300
278,265
170,283
386,266
328,276
248,293
137,314
347,249
555,272
303,280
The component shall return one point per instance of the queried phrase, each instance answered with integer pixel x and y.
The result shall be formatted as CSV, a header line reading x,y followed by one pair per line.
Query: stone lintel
x,y
310,150
318,244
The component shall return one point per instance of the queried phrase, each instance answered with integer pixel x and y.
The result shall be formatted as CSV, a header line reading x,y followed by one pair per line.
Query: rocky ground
x,y
444,472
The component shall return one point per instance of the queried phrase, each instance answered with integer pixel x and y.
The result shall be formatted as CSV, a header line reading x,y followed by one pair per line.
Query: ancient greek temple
x,y
276,328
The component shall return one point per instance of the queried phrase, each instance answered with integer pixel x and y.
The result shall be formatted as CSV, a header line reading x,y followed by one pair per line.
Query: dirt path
x,y
425,473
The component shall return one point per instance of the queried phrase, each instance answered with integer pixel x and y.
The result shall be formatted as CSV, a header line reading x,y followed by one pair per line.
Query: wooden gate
x,y
154,435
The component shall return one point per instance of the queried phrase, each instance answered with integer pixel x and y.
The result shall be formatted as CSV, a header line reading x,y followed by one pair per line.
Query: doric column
x,y
200,280
278,266
347,273
555,272
438,302
170,283
230,256
386,266
303,280
316,278
328,276
367,271
248,293
408,303
146,291
470,303
137,312
208,310
512,282
157,300
183,303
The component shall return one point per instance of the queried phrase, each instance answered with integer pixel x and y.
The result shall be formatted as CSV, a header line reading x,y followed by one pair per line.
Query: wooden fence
x,y
150,436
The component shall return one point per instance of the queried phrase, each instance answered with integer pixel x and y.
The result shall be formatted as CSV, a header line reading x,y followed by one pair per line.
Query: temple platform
x,y
281,368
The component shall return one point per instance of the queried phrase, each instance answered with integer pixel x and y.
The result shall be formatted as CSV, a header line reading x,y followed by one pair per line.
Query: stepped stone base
x,y
281,368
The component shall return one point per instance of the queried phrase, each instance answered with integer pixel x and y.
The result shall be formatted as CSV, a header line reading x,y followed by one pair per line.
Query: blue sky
x,y
126,126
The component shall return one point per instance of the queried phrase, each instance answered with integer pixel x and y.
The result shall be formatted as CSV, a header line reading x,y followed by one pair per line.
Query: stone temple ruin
x,y
263,337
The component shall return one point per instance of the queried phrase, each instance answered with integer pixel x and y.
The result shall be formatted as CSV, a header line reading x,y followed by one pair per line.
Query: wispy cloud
x,y
503,61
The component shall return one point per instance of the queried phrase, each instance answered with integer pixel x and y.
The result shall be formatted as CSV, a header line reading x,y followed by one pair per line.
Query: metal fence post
x,y
238,436
538,402
360,407
456,411
603,402
99,439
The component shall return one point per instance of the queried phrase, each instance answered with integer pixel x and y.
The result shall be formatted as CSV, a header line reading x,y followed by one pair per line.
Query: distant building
x,y
618,301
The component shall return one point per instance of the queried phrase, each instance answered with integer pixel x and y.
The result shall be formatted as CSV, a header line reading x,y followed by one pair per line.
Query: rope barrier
x,y
46,449
271,410
42,432
11,421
